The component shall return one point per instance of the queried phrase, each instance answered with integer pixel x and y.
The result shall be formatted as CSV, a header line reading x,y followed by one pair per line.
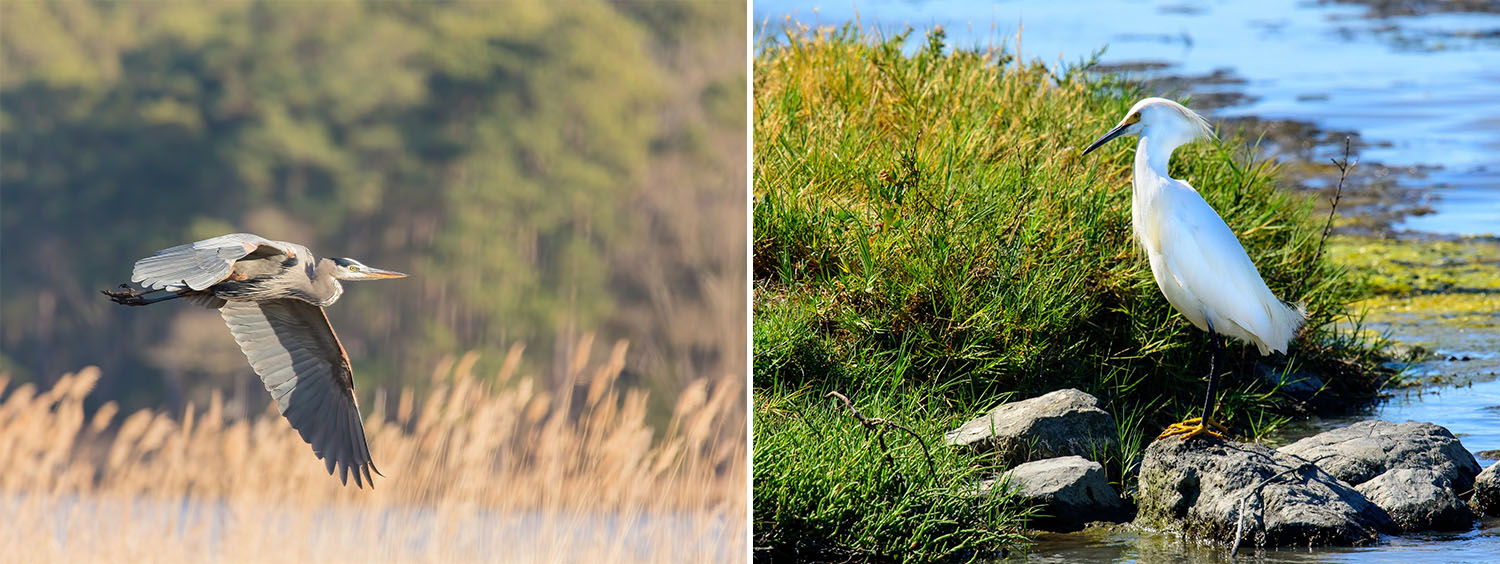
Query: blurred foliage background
x,y
545,171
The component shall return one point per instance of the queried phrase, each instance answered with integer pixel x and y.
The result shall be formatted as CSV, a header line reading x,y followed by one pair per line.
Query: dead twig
x,y
879,425
1338,192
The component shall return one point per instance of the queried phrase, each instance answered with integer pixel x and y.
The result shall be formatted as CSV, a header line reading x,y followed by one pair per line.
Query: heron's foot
x,y
125,296
1193,428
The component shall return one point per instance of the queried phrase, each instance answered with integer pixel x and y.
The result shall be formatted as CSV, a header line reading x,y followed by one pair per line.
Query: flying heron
x,y
272,295
1196,260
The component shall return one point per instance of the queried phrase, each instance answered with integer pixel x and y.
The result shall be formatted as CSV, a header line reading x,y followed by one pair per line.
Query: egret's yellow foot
x,y
1192,428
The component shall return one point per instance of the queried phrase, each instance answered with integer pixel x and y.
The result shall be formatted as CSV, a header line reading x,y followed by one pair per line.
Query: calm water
x,y
1422,91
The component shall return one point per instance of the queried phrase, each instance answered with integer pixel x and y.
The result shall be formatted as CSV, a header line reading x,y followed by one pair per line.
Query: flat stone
x,y
1062,423
1364,450
1418,499
1486,498
1210,489
1071,491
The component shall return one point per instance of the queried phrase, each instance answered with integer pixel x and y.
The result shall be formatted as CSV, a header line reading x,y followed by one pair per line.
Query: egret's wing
x,y
1209,263
204,263
292,347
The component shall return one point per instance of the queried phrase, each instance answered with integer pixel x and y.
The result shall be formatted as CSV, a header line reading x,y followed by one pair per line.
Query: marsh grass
x,y
929,242
481,469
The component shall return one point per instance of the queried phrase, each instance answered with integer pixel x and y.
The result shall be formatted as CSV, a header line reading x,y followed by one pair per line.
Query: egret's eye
x,y
1135,117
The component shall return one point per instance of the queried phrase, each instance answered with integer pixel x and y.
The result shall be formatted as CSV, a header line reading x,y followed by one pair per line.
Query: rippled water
x,y
1422,92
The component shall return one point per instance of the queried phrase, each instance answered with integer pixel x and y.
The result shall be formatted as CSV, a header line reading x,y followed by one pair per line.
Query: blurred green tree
x,y
504,154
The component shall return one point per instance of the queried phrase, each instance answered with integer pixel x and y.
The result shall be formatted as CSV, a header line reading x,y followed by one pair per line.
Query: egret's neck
x,y
1154,152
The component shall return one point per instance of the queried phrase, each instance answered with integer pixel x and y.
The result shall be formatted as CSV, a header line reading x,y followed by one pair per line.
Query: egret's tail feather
x,y
1286,319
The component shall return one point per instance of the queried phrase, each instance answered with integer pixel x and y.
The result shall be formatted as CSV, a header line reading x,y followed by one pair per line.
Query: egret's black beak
x,y
1113,133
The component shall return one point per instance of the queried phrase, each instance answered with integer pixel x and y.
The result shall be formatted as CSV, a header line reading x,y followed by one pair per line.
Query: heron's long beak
x,y
1113,133
376,273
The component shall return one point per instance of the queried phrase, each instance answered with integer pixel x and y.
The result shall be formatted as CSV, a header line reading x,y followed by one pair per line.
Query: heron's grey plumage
x,y
205,263
292,347
272,295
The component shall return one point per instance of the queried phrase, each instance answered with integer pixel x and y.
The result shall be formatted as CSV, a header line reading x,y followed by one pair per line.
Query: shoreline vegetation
x,y
476,467
929,244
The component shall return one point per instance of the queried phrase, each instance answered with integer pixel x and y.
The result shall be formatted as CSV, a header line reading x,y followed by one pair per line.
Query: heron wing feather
x,y
293,348
204,263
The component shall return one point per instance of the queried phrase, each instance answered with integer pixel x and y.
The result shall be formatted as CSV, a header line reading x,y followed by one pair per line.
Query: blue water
x,y
1424,91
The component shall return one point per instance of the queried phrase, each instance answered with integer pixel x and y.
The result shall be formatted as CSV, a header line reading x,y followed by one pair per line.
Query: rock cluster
x,y
1054,444
1347,486
1251,494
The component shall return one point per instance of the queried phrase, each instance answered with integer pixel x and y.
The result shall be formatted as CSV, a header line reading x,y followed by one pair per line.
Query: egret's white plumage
x,y
1198,263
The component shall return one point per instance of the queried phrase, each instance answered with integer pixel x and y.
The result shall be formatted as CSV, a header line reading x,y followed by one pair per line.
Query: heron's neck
x,y
325,288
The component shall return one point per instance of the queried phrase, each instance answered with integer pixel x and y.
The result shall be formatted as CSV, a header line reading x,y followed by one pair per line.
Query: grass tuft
x,y
929,242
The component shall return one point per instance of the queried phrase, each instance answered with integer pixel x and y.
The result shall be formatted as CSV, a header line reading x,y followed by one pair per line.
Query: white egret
x,y
1196,260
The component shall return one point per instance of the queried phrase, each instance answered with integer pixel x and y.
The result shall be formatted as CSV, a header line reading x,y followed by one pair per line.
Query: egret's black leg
x,y
1214,346
1200,425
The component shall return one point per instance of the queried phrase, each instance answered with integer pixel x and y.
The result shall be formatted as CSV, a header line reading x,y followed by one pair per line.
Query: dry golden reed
x,y
477,470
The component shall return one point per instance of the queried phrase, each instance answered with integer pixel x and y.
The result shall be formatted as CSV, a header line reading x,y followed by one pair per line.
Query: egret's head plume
x,y
1169,121
1169,115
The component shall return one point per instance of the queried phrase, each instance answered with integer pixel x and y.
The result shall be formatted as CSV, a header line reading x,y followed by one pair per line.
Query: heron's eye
x,y
353,268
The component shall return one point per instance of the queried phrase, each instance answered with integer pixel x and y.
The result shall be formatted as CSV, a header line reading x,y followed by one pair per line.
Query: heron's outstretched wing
x,y
204,263
292,347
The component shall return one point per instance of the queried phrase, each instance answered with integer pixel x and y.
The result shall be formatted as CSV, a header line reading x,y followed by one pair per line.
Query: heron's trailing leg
x,y
128,296
1200,425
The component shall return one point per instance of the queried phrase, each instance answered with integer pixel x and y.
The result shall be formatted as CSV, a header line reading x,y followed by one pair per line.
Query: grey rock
x,y
1207,488
1486,498
1364,450
1418,499
1071,492
1062,423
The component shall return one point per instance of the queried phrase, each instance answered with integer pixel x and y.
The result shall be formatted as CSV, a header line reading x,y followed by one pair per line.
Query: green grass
x,y
929,242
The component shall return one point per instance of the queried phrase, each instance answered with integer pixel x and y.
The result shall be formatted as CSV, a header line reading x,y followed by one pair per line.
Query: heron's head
x,y
350,269
1159,118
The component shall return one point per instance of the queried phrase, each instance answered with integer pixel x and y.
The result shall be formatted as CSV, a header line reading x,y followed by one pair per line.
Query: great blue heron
x,y
272,295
